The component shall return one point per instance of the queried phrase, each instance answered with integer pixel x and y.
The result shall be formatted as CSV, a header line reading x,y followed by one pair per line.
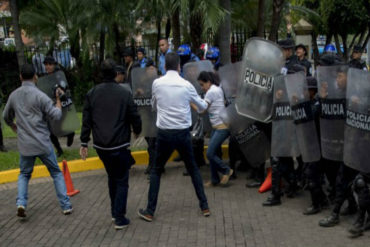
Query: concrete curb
x,y
141,158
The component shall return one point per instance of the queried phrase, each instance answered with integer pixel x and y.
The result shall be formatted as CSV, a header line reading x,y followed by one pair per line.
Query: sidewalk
x,y
237,219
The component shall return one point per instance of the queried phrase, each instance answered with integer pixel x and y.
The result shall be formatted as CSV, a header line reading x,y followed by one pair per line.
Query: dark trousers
x,y
151,151
55,141
345,177
282,167
117,165
330,169
236,154
167,142
361,188
314,173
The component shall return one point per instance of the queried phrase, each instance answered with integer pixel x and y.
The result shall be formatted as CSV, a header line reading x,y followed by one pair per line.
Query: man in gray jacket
x,y
32,108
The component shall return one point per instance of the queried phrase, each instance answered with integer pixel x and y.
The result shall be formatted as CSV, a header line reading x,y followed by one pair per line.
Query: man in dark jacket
x,y
109,112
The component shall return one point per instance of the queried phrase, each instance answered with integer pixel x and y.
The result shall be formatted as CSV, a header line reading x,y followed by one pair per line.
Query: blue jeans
x,y
117,164
216,163
167,142
50,161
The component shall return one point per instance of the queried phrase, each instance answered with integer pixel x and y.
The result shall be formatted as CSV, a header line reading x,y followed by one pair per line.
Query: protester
x,y
109,113
30,106
171,97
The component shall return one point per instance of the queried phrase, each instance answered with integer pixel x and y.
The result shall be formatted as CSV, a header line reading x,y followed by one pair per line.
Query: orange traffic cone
x,y
67,178
267,184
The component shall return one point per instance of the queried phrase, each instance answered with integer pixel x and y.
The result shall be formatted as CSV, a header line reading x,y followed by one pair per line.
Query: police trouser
x,y
235,154
313,173
282,167
345,177
330,169
361,188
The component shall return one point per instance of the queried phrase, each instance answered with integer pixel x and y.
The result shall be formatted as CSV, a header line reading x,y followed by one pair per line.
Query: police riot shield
x,y
283,137
142,80
229,77
251,139
357,127
192,70
69,122
332,84
262,61
299,100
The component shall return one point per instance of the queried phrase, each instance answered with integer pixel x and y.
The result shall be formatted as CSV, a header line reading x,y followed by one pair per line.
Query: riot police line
x,y
273,116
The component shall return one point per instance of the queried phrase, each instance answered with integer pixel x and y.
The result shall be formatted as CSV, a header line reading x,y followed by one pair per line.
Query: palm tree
x,y
17,33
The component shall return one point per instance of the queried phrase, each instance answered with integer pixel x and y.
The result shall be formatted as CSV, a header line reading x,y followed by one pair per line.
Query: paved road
x,y
237,219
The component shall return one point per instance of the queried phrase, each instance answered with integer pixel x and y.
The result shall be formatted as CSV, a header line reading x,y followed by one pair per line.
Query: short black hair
x,y
172,61
163,38
206,76
27,71
108,68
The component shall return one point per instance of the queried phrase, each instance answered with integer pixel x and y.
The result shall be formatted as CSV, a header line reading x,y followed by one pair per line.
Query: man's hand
x,y
14,127
58,92
83,153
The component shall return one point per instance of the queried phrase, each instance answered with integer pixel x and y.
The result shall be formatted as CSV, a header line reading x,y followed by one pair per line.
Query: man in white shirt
x,y
171,97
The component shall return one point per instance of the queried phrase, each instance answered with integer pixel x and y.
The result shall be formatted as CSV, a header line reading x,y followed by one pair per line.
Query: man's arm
x,y
197,100
9,115
86,128
51,111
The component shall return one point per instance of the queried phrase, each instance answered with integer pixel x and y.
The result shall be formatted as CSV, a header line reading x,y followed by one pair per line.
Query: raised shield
x,y
142,81
69,122
283,138
357,127
252,141
262,61
299,99
332,84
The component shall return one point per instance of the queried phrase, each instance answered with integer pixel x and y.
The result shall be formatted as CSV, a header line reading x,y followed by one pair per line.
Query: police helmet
x,y
330,48
184,50
213,53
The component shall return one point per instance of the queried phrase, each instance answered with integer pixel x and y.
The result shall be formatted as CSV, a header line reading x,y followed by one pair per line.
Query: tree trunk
x,y
176,34
159,31
17,33
117,39
224,32
102,46
277,7
345,50
366,41
337,44
196,30
316,55
261,18
168,27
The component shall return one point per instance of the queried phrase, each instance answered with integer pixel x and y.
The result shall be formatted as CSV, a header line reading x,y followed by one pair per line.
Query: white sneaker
x,y
68,211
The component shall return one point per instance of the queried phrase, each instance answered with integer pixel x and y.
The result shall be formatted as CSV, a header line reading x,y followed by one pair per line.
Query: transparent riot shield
x,y
299,99
332,84
252,141
69,122
192,70
357,128
262,61
283,137
229,75
142,80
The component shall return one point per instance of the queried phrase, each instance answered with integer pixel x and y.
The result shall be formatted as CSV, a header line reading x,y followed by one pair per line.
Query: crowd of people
x,y
110,114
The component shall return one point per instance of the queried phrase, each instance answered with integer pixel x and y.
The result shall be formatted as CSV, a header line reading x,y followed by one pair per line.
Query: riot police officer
x,y
356,61
301,53
213,54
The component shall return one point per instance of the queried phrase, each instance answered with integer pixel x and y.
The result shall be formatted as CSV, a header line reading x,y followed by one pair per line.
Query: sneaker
x,y
312,210
330,221
68,211
272,200
225,178
206,212
123,225
21,212
145,215
209,184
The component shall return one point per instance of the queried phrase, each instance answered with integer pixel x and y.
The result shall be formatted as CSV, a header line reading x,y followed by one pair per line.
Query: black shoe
x,y
272,200
349,211
330,221
312,210
254,184
3,149
357,228
70,139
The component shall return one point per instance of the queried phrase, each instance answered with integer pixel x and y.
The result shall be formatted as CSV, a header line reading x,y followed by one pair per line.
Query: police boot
x,y
330,221
357,228
312,210
272,200
351,208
